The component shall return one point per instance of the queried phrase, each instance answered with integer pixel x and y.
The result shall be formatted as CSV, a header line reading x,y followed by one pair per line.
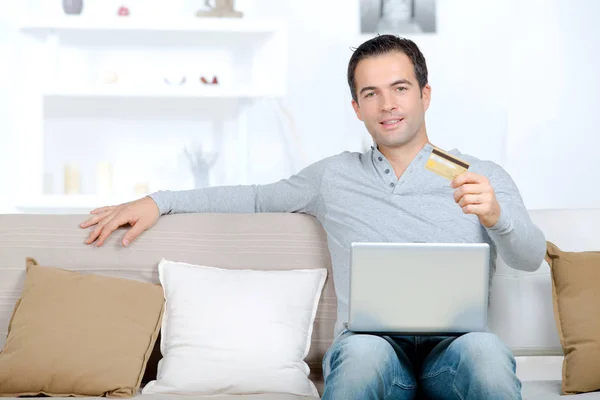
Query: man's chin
x,y
392,142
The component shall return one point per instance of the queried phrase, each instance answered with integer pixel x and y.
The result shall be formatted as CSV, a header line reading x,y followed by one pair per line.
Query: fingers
x,y
115,222
468,177
133,233
469,188
94,220
100,226
481,209
469,199
482,198
103,209
141,215
477,209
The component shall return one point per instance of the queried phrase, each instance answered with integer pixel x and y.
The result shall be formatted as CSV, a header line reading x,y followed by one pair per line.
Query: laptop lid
x,y
419,288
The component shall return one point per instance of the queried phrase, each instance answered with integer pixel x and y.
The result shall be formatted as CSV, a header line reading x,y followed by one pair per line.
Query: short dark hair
x,y
383,44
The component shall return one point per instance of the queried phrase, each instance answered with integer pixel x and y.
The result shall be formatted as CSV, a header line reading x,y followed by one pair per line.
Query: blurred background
x,y
103,101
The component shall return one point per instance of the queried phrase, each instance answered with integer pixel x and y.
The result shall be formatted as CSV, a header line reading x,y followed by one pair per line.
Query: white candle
x,y
141,189
104,179
72,179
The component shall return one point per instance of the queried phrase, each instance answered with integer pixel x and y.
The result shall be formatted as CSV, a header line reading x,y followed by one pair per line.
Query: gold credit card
x,y
445,165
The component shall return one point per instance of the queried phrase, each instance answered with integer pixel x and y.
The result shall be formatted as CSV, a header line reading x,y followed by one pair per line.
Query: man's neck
x,y
400,157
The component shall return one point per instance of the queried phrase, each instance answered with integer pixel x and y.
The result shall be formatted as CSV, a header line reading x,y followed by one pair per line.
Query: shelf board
x,y
158,92
43,27
70,202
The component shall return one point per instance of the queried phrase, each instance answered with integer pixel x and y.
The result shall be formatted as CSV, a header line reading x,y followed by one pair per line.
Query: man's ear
x,y
356,109
426,96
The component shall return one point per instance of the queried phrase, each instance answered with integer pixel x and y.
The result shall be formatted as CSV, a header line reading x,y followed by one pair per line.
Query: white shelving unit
x,y
82,203
79,24
159,92
252,55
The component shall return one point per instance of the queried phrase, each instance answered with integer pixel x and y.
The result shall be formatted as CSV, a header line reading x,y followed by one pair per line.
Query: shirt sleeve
x,y
298,193
520,243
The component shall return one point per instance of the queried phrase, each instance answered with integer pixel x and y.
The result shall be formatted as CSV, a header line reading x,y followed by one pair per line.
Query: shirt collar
x,y
376,153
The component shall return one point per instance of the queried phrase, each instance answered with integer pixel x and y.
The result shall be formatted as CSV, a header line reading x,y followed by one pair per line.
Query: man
x,y
384,195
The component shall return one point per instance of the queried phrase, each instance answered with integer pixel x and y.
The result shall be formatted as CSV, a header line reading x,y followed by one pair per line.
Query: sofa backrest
x,y
521,312
257,241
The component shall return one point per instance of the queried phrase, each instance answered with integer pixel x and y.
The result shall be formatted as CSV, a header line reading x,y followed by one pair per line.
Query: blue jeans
x,y
474,366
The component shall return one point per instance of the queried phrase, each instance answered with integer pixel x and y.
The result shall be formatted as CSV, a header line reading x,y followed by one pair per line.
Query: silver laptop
x,y
419,288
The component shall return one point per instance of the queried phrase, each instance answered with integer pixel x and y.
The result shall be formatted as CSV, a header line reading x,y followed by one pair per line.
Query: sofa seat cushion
x,y
550,390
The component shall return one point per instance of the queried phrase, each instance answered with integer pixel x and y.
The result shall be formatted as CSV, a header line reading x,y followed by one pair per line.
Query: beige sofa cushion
x,y
79,334
576,300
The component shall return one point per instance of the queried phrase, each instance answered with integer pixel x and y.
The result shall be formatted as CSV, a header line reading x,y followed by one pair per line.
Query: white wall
x,y
554,128
7,93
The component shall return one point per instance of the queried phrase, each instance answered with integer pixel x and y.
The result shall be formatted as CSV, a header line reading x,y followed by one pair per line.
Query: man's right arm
x,y
298,193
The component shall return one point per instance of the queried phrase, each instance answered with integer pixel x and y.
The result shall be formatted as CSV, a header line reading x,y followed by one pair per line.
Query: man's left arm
x,y
498,205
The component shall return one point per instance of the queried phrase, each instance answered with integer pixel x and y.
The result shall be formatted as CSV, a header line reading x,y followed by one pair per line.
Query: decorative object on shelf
x,y
200,164
123,11
48,183
72,7
103,179
175,80
214,81
141,189
72,179
220,8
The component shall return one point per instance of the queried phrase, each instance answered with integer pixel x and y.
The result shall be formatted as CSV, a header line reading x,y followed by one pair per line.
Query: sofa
x,y
521,311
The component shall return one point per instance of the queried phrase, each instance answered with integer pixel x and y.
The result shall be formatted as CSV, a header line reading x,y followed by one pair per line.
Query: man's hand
x,y
475,195
140,214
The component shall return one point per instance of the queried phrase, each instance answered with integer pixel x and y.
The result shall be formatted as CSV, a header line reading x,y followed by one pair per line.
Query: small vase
x,y
72,7
201,179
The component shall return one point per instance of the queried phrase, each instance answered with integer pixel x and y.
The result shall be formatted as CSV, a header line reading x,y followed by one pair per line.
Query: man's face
x,y
389,99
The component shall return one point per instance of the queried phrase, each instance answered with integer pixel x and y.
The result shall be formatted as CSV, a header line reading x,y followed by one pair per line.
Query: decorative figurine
x,y
215,81
221,8
200,165
72,7
174,80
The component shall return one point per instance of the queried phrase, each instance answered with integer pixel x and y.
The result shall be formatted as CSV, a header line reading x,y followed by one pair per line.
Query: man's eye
x,y
401,88
370,94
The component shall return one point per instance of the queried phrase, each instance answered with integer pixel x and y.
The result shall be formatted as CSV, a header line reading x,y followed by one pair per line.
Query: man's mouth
x,y
391,122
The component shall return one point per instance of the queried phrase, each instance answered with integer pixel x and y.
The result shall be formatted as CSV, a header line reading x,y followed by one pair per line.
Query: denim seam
x,y
403,386
456,391
439,373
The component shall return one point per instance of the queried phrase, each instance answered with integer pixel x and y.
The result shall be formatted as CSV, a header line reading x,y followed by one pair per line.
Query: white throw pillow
x,y
234,331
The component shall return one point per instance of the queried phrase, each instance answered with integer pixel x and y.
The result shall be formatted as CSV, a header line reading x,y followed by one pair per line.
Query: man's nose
x,y
388,104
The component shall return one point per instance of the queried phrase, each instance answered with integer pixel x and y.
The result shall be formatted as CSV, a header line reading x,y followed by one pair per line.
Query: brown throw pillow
x,y
74,334
576,301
